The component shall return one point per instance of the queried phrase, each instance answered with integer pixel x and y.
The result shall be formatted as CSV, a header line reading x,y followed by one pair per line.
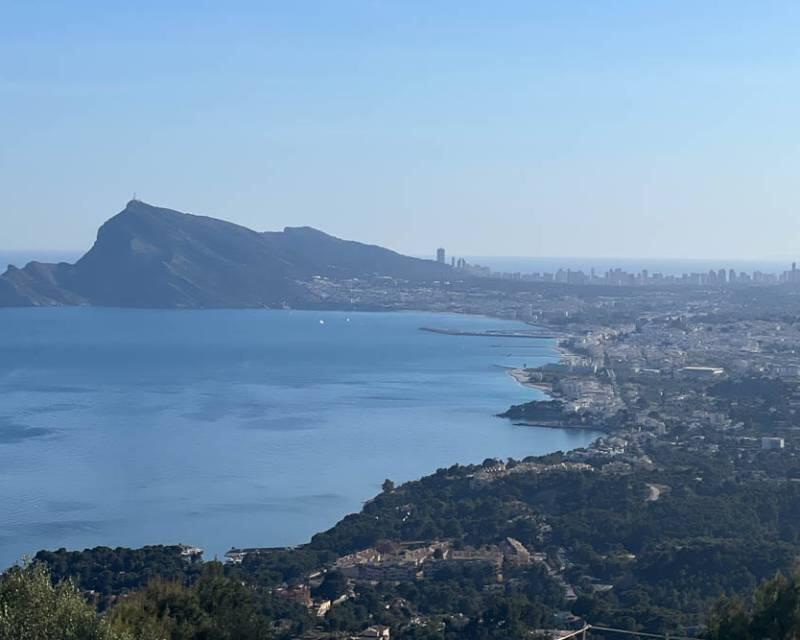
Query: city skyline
x,y
618,276
564,269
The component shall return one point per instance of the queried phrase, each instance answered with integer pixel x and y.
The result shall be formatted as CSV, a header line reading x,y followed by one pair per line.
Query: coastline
x,y
497,396
548,412
521,376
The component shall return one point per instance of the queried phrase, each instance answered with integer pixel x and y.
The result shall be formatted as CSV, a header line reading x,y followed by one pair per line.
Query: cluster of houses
x,y
409,561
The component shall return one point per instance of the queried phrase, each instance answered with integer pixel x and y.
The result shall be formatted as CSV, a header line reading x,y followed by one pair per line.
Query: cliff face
x,y
147,256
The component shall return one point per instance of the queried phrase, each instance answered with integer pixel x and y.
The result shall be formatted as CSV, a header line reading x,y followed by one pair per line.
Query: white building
x,y
770,444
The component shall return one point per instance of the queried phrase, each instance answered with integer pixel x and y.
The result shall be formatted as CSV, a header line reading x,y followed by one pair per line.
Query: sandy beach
x,y
521,376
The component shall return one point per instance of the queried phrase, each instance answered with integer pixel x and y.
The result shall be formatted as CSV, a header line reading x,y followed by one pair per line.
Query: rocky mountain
x,y
147,256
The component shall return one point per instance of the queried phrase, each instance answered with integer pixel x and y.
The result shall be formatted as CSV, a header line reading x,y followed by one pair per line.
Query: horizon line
x,y
772,260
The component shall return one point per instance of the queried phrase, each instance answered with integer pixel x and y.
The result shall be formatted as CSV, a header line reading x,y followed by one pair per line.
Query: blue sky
x,y
595,128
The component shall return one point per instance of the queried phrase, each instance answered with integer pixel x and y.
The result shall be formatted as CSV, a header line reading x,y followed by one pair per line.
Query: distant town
x,y
620,278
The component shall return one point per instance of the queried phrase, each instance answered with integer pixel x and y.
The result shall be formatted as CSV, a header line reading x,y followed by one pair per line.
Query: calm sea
x,y
245,428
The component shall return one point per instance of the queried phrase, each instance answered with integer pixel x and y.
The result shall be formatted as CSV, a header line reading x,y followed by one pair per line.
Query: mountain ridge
x,y
149,256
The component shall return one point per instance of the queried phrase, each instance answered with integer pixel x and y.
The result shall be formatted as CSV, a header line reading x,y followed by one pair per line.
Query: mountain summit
x,y
147,256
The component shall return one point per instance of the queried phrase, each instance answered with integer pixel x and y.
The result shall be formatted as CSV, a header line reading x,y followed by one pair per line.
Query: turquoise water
x,y
245,428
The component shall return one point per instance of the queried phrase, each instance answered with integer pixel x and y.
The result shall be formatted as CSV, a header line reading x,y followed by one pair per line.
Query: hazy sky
x,y
601,128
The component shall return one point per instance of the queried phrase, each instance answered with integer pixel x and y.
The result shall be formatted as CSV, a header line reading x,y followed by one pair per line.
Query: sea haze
x,y
245,428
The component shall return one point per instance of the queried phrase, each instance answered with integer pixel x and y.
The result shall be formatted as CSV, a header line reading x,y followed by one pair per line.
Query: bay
x,y
239,427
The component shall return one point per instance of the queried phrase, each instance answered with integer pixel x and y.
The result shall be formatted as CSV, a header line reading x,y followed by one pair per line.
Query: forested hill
x,y
514,547
148,256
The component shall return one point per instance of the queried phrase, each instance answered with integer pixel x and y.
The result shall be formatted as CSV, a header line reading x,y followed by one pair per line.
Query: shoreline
x,y
508,397
519,373
564,427
522,377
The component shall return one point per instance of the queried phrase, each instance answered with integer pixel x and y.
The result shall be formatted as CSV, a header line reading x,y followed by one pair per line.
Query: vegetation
x,y
636,563
108,572
773,612
214,608
33,608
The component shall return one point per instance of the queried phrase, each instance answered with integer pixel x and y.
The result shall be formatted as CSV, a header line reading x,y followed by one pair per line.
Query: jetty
x,y
495,333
